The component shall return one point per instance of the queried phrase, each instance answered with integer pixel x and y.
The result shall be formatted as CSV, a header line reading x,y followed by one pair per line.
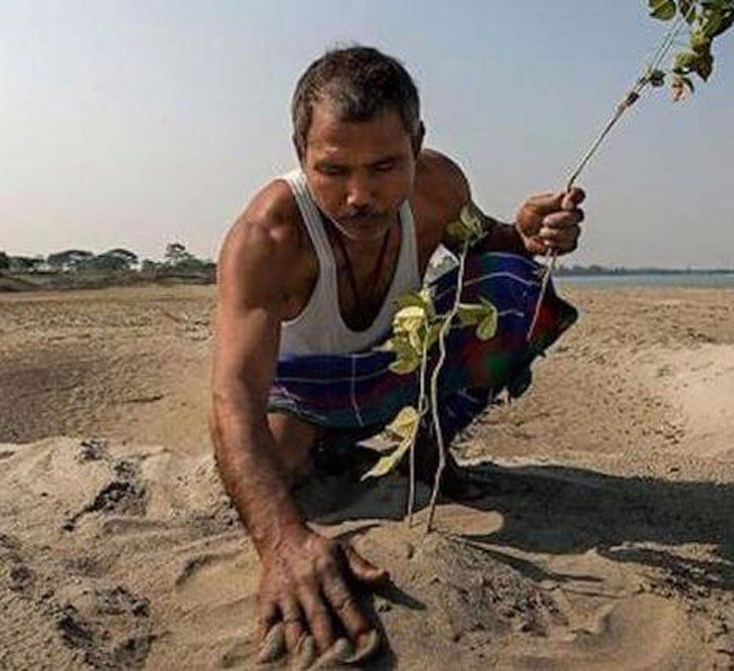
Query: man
x,y
313,266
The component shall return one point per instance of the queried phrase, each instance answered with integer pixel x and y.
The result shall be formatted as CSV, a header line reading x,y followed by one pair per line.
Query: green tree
x,y
107,262
176,254
125,256
71,259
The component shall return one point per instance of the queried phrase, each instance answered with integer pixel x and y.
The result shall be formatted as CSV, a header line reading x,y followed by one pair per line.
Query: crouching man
x,y
307,284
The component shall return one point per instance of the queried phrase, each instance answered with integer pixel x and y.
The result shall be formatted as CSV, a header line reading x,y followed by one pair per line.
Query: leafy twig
x,y
421,413
708,19
416,328
445,326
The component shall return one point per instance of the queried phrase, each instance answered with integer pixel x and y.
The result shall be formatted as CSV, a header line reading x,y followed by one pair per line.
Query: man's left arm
x,y
544,222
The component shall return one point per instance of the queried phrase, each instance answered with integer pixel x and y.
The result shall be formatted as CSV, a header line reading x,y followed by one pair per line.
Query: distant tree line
x,y
176,260
651,270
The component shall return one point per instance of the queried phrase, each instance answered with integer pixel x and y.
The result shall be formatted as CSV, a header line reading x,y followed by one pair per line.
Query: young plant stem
x,y
445,327
421,412
630,99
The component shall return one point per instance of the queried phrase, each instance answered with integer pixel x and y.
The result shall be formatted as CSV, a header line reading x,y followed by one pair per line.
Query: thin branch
x,y
630,99
445,326
421,412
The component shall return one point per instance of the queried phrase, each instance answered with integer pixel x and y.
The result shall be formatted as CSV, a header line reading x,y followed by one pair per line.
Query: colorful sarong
x,y
357,394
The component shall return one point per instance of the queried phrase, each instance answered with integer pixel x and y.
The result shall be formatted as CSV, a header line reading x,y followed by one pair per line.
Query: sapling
x,y
703,21
417,327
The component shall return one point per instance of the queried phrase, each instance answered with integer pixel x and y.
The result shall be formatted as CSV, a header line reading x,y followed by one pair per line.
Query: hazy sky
x,y
136,123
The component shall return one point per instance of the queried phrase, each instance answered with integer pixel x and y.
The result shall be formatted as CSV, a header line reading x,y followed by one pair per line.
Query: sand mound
x,y
604,542
119,557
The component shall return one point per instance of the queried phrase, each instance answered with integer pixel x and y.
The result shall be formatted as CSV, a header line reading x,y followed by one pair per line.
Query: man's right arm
x,y
250,275
303,583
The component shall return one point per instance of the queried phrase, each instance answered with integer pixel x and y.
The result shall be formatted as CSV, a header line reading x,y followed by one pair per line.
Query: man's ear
x,y
418,138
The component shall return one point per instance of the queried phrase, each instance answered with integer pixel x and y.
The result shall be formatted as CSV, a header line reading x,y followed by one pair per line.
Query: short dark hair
x,y
361,82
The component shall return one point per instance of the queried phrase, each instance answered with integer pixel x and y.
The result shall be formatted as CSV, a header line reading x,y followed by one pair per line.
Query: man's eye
x,y
331,170
384,166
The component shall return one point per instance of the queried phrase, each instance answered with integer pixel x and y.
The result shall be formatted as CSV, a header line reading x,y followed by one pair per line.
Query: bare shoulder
x,y
270,223
441,183
266,240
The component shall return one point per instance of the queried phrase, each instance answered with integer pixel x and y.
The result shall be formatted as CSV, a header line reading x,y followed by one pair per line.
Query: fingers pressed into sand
x,y
271,633
363,570
306,654
272,647
345,607
341,651
292,624
369,645
317,615
267,616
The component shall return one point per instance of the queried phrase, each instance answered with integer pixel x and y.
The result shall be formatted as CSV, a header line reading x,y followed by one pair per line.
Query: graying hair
x,y
361,82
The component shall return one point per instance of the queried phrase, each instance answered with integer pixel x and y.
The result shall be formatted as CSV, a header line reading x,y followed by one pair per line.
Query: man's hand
x,y
305,599
550,222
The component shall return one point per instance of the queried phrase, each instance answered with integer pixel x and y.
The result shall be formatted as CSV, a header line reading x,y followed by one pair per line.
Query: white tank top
x,y
319,328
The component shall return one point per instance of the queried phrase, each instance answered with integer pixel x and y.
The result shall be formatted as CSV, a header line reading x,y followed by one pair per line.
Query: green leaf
x,y
685,7
389,461
387,346
416,339
470,313
405,422
469,226
657,78
458,231
420,299
405,425
712,23
470,217
719,25
488,305
700,42
662,9
704,66
488,326
685,62
400,344
409,319
405,365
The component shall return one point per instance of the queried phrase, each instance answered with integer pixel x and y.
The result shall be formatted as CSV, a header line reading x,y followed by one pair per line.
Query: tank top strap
x,y
311,217
409,246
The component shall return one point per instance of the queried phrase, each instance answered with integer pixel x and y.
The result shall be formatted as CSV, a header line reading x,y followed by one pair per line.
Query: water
x,y
708,280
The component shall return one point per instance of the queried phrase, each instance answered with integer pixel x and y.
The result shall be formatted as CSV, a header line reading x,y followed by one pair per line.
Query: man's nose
x,y
360,192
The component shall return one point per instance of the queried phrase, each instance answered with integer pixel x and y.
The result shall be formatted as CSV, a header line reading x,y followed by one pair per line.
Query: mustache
x,y
362,213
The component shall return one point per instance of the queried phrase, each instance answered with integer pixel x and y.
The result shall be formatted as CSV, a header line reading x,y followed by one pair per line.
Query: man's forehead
x,y
331,135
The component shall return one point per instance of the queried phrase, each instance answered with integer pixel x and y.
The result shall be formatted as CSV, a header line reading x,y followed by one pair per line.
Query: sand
x,y
604,542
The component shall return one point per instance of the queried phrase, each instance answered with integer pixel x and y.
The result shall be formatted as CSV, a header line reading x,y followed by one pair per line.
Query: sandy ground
x,y
605,540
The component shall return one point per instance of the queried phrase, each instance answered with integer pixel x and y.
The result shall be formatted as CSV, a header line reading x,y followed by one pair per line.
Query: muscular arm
x,y
303,583
543,221
250,291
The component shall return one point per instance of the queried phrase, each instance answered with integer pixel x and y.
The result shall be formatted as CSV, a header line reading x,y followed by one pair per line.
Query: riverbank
x,y
604,541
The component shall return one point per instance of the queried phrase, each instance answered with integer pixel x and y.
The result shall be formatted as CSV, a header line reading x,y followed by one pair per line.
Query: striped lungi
x,y
358,393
